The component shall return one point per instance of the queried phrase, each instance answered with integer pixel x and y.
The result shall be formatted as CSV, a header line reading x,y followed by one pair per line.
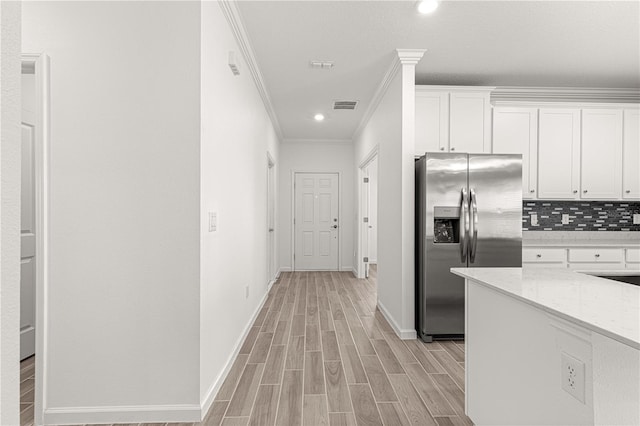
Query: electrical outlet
x,y
636,218
572,375
246,292
534,219
565,219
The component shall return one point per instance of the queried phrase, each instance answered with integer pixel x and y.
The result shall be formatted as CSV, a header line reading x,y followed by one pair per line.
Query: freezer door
x,y
495,188
440,293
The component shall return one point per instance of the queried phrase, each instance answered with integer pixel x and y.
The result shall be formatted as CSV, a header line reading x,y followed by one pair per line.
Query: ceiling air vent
x,y
345,105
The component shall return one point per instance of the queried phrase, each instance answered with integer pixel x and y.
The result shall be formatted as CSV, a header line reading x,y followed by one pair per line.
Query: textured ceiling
x,y
495,43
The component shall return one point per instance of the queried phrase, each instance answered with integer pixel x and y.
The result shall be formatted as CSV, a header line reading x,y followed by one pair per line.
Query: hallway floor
x,y
320,353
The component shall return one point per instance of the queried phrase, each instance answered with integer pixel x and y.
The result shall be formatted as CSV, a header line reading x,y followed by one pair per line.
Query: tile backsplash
x,y
583,215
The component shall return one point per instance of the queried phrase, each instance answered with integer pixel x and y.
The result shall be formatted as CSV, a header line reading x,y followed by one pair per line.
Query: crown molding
x,y
393,69
232,14
564,94
294,141
410,56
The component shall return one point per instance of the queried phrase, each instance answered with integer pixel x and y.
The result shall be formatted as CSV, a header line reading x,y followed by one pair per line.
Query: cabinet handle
x,y
597,255
442,148
575,191
453,149
584,191
538,255
628,191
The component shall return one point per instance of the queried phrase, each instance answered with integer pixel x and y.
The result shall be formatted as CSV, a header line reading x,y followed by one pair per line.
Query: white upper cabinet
x,y
631,154
469,122
558,153
515,131
432,121
601,158
453,119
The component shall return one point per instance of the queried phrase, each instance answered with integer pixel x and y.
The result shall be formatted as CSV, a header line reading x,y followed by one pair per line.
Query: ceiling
x,y
492,43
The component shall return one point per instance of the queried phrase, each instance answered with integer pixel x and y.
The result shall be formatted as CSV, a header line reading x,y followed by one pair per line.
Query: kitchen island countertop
x,y
607,307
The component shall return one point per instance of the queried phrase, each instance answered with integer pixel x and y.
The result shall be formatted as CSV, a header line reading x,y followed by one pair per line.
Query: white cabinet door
x,y
558,153
469,122
515,131
601,158
631,154
432,122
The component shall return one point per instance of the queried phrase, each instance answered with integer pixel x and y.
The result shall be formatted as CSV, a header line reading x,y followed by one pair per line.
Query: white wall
x,y
236,135
324,156
384,130
123,302
9,210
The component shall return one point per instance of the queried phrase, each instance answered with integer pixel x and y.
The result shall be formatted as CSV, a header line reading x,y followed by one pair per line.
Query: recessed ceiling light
x,y
427,6
318,117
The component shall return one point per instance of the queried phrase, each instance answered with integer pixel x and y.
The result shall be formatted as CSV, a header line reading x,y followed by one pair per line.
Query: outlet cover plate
x,y
213,221
572,375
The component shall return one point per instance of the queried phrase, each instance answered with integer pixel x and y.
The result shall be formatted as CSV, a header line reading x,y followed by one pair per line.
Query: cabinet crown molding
x,y
564,94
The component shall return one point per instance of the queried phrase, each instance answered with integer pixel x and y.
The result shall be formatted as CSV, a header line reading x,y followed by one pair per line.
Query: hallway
x,y
319,353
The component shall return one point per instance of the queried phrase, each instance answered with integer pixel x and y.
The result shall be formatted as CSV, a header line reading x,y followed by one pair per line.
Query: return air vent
x,y
345,105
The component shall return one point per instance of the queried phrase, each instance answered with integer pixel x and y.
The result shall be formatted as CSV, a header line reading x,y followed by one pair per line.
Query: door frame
x,y
293,212
372,155
38,64
272,270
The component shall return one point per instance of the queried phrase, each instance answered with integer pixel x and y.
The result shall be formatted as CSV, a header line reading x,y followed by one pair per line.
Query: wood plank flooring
x,y
320,353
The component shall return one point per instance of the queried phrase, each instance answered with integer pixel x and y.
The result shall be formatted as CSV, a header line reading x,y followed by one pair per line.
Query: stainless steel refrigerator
x,y
468,214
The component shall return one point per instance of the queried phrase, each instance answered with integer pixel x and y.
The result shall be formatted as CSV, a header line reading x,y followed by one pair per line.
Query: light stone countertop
x,y
607,307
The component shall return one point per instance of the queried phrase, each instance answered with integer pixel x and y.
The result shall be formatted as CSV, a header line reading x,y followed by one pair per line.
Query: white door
x,y
601,154
631,155
432,122
316,221
271,182
469,122
27,222
558,153
372,171
515,131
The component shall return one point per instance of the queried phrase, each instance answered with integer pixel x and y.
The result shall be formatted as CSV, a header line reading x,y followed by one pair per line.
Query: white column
x,y
408,60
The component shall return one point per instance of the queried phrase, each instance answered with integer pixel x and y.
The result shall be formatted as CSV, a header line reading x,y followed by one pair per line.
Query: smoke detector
x,y
350,105
324,65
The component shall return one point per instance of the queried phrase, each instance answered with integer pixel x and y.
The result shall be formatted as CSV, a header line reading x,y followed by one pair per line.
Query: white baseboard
x,y
346,268
122,414
217,383
403,334
354,271
285,269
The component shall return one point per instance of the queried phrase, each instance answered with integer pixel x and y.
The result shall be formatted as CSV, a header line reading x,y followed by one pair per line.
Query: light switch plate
x,y
565,219
636,218
213,221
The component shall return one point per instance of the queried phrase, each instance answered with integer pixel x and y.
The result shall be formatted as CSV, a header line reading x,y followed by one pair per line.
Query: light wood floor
x,y
320,353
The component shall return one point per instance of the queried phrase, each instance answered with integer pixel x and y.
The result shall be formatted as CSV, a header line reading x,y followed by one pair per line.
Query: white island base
x,y
528,332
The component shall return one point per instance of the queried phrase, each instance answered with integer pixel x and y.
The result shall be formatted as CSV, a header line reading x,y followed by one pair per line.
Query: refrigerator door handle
x,y
464,225
473,225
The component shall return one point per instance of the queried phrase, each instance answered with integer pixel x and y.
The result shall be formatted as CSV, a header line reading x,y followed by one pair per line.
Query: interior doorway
x,y
271,214
316,221
34,230
369,216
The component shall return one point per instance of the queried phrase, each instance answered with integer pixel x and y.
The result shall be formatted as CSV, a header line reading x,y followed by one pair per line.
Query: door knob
x,y
575,191
532,191
585,191
442,148
453,149
335,226
627,191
